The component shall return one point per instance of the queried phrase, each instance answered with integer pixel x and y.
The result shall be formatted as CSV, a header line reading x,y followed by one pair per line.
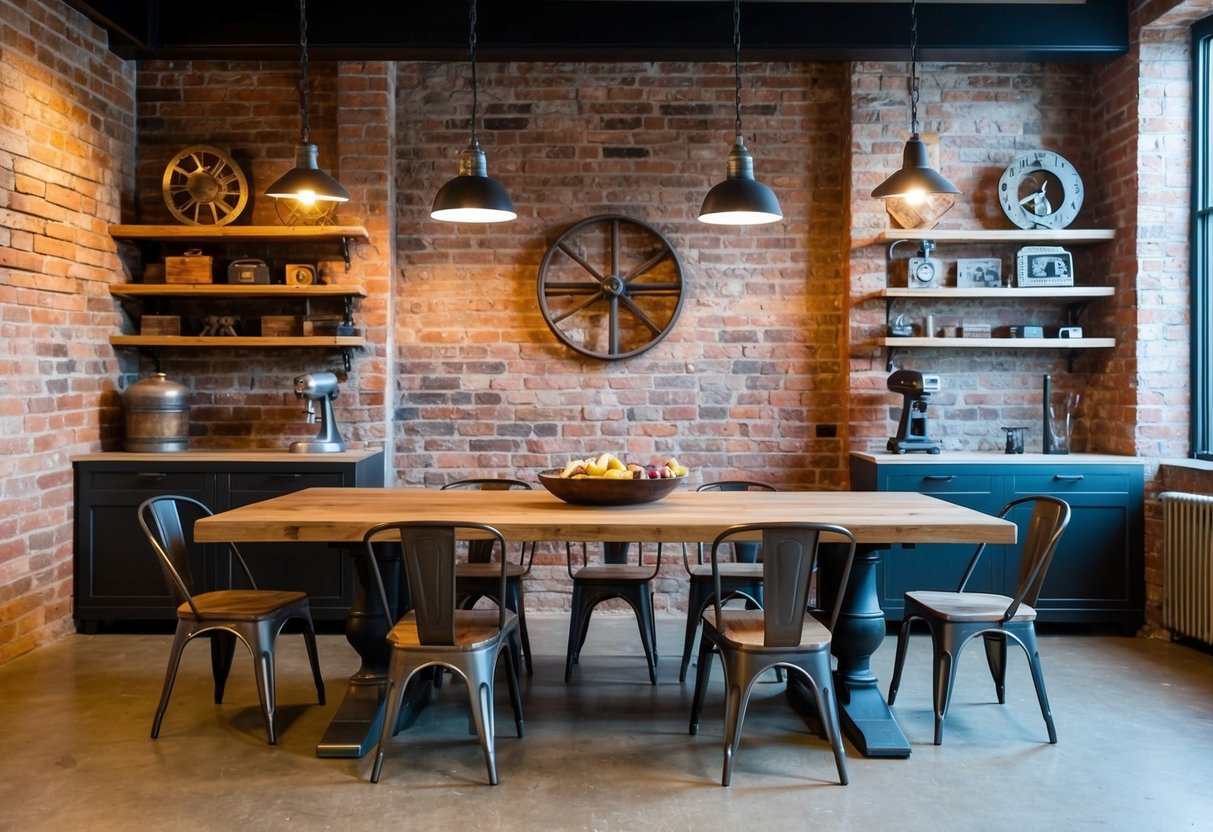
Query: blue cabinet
x,y
1098,573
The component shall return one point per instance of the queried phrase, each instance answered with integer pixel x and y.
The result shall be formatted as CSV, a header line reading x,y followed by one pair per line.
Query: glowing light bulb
x,y
916,196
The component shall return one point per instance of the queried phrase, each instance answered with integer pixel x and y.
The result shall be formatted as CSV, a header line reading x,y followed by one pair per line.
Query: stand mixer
x,y
916,390
319,387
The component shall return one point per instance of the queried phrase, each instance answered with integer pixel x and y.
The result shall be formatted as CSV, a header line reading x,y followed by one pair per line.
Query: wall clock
x,y
1040,189
202,185
610,287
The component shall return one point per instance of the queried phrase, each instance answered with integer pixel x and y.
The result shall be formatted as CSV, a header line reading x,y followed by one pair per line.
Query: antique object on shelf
x,y
978,273
202,185
1043,266
300,274
248,270
1040,189
157,415
1027,331
220,325
191,267
1015,439
916,390
159,324
975,331
923,271
610,287
282,326
312,388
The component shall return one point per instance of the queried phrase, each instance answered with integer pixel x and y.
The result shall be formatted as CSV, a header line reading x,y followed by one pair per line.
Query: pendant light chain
x,y
307,130
914,67
472,55
737,64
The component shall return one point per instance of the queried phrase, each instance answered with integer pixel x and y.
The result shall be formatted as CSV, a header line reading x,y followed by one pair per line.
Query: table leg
x,y
866,718
355,728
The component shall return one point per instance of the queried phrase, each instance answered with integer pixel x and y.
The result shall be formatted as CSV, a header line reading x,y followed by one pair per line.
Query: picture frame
x,y
979,273
1043,266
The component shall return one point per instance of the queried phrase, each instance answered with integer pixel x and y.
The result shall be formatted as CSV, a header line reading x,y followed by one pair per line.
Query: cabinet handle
x,y
1068,477
939,477
150,476
285,476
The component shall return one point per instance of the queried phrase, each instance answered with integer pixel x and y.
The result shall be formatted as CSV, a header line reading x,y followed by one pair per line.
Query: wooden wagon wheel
x,y
610,287
202,185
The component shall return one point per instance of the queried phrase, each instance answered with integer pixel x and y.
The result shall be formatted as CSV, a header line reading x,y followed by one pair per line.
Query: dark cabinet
x,y
116,575
1097,575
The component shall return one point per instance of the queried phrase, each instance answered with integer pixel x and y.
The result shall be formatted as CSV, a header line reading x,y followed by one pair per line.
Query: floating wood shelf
x,y
229,290
269,233
338,341
1000,343
1065,235
1001,293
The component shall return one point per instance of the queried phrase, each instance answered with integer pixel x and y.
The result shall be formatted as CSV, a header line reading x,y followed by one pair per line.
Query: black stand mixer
x,y
916,390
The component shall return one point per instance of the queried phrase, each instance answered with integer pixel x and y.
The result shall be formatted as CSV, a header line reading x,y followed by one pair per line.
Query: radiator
x,y
1187,606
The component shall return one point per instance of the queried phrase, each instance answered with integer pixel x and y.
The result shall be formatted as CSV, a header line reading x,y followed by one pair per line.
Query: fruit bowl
x,y
602,491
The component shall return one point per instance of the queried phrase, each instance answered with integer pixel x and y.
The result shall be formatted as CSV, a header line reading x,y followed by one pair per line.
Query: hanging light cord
x,y
307,130
472,55
737,64
914,67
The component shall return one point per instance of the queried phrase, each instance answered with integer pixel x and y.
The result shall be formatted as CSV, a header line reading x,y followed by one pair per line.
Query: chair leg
x,y
703,671
821,680
180,639
223,648
262,646
479,670
393,697
647,624
737,686
1038,679
309,639
575,632
996,658
903,641
522,632
515,688
944,666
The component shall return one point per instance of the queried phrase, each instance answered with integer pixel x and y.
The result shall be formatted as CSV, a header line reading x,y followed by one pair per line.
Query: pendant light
x,y
473,196
740,199
916,178
306,182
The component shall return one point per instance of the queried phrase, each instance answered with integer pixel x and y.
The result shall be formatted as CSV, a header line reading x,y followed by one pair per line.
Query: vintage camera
x,y
1069,332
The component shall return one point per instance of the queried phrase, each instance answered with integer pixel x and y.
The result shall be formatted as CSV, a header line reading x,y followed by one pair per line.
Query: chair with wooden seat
x,y
784,633
954,618
615,577
254,616
437,633
477,577
742,575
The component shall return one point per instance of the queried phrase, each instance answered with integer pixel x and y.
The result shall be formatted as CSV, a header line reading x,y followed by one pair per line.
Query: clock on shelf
x,y
1040,189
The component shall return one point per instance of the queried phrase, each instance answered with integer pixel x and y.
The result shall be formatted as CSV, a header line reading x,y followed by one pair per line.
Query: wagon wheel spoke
x,y
581,262
591,300
640,315
646,266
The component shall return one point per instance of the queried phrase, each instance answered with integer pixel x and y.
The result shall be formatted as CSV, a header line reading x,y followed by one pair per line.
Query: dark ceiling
x,y
526,30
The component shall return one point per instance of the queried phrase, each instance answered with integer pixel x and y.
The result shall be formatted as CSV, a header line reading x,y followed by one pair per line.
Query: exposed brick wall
x,y
753,364
66,155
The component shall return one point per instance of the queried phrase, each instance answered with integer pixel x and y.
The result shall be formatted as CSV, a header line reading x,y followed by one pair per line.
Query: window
x,y
1202,239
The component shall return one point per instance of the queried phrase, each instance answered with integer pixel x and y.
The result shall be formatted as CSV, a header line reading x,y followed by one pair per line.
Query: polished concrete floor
x,y
608,752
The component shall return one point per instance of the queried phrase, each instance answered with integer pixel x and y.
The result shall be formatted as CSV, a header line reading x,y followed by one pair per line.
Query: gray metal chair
x,y
742,576
477,577
956,617
436,633
781,634
594,583
254,616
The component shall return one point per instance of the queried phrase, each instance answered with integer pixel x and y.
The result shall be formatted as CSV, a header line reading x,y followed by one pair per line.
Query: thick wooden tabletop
x,y
344,514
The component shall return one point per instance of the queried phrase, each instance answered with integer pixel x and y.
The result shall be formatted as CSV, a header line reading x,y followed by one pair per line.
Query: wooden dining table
x,y
877,519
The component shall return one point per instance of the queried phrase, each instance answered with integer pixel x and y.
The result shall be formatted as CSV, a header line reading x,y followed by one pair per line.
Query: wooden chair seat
x,y
489,570
744,630
968,606
474,630
242,604
613,572
752,571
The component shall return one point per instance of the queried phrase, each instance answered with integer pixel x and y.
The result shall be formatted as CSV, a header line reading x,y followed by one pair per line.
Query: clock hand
x,y
1031,197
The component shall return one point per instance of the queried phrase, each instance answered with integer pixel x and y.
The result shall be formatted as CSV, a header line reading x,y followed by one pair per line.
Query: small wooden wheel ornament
x,y
202,185
610,287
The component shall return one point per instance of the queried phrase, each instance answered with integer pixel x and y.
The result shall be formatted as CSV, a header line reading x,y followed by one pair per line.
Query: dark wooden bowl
x,y
600,491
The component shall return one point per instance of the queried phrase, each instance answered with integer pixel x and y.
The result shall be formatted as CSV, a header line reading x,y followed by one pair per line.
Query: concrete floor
x,y
608,752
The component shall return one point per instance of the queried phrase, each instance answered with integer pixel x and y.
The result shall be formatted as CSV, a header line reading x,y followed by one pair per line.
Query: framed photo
x,y
981,273
1043,266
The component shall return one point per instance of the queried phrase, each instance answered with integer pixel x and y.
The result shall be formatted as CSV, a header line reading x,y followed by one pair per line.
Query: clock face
x,y
923,273
1040,189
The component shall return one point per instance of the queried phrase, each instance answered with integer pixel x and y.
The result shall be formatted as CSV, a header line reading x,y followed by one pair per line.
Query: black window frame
x,y
1201,278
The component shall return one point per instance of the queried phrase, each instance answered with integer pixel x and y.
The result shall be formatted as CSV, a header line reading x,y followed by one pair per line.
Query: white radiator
x,y
1187,605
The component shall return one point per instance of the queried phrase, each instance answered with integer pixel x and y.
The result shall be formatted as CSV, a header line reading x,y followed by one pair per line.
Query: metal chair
x,y
477,578
254,616
781,634
742,576
614,578
956,617
436,633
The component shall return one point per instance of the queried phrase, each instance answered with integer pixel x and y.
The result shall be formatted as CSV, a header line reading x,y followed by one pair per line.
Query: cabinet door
x,y
939,565
117,575
1096,574
324,571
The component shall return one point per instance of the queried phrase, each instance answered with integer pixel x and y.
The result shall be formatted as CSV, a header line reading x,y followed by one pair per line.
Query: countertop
x,y
226,456
993,458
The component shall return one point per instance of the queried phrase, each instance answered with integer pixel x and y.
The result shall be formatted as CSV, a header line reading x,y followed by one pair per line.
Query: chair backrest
x,y
160,519
1048,520
790,557
429,554
481,551
744,551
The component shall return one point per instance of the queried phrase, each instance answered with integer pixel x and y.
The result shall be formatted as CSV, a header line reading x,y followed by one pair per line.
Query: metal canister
x,y
157,415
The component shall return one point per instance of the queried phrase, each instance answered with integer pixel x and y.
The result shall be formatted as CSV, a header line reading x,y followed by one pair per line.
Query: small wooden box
x,y
160,325
188,269
281,325
975,331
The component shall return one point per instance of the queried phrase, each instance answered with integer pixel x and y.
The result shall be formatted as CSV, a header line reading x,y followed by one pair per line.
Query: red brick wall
x,y
66,154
